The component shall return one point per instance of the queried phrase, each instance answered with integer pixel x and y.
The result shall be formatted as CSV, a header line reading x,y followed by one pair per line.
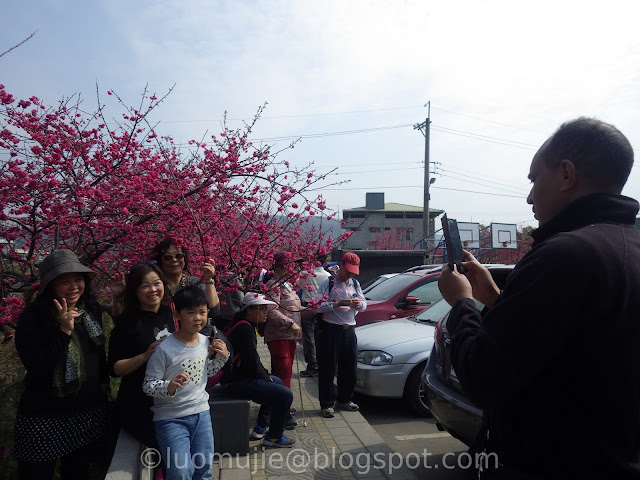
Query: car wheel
x,y
414,394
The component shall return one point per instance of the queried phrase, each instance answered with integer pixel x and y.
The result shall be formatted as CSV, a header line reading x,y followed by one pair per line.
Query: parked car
x,y
453,411
376,281
393,354
402,295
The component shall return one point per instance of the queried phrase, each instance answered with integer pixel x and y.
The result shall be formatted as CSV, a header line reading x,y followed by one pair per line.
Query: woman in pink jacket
x,y
283,320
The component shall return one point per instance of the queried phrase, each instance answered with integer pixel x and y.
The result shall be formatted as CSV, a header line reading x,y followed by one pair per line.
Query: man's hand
x,y
177,382
344,303
453,285
484,289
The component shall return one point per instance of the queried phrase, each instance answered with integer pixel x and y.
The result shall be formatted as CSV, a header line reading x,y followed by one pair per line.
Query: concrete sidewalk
x,y
343,447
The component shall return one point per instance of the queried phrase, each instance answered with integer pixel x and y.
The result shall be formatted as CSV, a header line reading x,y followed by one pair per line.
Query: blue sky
x,y
500,76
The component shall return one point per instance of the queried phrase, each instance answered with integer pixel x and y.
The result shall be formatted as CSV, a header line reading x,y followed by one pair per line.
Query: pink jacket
x,y
279,316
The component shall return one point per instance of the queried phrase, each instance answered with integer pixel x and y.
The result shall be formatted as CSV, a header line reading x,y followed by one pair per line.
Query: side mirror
x,y
411,300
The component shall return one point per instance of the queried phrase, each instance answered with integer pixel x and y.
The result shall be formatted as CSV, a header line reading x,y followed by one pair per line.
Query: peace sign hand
x,y
66,317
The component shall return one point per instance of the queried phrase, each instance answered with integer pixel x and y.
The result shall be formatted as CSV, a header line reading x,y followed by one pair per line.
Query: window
x,y
428,293
356,215
375,229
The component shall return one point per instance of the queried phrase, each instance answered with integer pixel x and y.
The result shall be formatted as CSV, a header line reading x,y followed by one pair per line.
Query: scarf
x,y
70,372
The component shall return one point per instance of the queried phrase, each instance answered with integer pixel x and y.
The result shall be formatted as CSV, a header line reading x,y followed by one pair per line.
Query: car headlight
x,y
374,357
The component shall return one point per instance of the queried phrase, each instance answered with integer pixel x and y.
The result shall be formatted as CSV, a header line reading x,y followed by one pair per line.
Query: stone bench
x,y
230,420
125,463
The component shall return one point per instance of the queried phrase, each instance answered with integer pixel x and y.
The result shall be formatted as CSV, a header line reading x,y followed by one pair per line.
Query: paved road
x,y
412,437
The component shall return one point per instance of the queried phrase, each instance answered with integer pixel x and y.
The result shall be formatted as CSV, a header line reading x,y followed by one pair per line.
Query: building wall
x,y
367,225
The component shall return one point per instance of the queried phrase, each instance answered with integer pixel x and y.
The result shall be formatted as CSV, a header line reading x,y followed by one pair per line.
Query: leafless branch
x,y
16,46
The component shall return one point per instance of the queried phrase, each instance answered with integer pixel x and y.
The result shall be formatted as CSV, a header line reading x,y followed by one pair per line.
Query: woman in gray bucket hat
x,y
59,339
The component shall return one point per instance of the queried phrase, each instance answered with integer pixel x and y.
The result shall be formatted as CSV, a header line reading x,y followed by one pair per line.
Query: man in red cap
x,y
340,298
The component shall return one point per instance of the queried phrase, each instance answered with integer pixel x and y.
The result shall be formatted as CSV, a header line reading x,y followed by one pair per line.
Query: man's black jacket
x,y
555,363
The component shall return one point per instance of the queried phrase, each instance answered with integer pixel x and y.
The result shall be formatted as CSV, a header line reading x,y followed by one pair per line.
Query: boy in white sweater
x,y
176,377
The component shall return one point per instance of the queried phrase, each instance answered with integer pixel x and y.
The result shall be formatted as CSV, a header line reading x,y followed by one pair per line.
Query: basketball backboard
x,y
503,235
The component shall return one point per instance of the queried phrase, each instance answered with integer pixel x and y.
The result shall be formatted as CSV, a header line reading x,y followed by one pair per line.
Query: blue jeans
x,y
274,398
186,446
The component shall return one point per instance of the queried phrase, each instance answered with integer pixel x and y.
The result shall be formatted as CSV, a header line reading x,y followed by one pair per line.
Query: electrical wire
x,y
485,120
467,180
298,115
412,186
464,171
485,138
464,177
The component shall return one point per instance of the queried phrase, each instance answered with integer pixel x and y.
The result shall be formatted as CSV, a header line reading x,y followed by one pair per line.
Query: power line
x,y
371,171
454,168
330,134
485,120
464,177
485,138
297,115
466,180
412,186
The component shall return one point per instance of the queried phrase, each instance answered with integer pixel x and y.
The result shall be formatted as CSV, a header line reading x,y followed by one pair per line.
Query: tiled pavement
x,y
343,447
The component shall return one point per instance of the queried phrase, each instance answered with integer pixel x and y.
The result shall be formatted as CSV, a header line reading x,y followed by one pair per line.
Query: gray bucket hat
x,y
59,262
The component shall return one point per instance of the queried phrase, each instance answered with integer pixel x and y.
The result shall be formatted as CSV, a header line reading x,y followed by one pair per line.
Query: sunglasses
x,y
177,256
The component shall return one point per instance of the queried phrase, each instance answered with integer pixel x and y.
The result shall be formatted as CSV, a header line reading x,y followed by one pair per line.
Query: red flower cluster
x,y
74,179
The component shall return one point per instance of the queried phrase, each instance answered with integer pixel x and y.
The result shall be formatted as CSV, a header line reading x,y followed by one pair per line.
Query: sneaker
x,y
282,442
259,432
347,406
7,337
327,412
290,423
311,371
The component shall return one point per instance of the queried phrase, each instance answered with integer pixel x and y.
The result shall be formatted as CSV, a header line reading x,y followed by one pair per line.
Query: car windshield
x,y
433,314
391,286
372,283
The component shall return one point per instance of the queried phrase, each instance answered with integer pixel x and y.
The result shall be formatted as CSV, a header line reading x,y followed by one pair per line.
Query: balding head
x,y
601,154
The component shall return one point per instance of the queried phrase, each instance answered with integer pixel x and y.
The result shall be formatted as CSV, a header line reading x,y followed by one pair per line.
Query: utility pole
x,y
425,213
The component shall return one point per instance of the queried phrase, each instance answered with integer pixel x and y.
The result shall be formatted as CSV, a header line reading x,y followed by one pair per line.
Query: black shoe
x,y
290,423
311,371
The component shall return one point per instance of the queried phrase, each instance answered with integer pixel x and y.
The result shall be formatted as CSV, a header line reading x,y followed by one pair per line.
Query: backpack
x,y
227,370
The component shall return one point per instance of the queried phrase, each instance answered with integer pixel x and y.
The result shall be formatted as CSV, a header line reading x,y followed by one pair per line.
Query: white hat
x,y
251,299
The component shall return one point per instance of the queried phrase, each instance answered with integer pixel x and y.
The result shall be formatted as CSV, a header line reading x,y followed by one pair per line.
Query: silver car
x,y
393,354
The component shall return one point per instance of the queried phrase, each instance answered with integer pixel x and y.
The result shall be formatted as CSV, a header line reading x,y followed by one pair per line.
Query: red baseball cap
x,y
351,262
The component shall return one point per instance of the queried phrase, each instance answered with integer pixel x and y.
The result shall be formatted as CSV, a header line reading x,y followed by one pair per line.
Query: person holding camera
x,y
339,300
563,335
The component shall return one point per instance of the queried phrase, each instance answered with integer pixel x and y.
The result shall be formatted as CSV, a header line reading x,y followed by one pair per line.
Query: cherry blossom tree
x,y
392,238
111,188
